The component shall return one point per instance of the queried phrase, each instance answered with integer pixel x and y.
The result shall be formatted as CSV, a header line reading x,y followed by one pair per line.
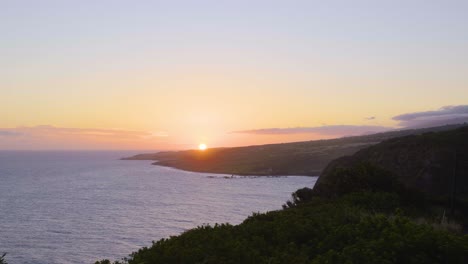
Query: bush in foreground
x,y
344,230
2,259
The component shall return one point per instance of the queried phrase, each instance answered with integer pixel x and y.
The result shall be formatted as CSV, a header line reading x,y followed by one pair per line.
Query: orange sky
x,y
111,75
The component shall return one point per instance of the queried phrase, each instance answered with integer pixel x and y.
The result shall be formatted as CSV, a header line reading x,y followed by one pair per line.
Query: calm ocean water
x,y
79,207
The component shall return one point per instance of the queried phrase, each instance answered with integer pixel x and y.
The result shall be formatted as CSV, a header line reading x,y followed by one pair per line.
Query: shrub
x,y
299,197
2,259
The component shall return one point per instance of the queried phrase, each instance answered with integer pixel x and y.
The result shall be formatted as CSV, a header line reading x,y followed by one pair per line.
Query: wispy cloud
x,y
51,137
8,133
332,130
47,130
443,116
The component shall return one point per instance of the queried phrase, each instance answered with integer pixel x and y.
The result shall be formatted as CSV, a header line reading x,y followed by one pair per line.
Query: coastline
x,y
307,158
227,173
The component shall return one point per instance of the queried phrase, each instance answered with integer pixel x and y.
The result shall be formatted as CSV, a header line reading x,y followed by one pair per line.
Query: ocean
x,y
79,207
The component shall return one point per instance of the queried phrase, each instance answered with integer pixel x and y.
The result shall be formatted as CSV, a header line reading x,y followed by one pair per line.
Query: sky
x,y
155,75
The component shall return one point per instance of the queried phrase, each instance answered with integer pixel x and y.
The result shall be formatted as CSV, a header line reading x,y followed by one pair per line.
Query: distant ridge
x,y
307,158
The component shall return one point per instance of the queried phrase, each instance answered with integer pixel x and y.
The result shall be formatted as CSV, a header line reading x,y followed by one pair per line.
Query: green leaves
x,y
344,230
2,259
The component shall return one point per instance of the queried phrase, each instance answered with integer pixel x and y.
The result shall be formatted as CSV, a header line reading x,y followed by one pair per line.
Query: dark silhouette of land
x,y
307,158
403,200
434,163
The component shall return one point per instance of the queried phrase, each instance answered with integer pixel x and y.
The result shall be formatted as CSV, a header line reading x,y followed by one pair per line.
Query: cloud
x,y
7,133
443,116
46,130
51,137
329,131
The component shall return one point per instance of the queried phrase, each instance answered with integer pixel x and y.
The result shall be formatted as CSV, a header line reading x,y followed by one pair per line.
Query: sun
x,y
202,146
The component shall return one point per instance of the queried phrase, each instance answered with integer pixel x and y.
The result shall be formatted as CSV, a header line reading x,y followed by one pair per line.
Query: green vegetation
x,y
434,165
298,158
345,230
369,218
385,204
2,259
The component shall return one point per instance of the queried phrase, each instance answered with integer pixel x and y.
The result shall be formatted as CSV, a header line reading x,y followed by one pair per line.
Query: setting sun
x,y
202,146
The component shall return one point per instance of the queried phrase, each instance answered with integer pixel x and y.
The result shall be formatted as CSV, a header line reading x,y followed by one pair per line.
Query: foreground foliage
x,y
360,214
363,227
2,259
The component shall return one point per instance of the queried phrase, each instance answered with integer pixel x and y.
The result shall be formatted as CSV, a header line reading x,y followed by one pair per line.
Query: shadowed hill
x,y
298,158
434,163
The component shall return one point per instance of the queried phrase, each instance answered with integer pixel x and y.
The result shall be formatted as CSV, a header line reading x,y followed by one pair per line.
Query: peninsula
x,y
308,158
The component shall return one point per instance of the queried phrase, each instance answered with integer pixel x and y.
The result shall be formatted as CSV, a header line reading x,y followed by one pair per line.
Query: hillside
x,y
298,158
380,205
434,163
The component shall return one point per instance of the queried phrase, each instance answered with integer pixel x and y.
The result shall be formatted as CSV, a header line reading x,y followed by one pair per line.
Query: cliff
x,y
433,163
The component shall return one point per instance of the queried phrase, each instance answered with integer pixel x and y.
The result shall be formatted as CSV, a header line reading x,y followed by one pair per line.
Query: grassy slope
x,y
299,158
